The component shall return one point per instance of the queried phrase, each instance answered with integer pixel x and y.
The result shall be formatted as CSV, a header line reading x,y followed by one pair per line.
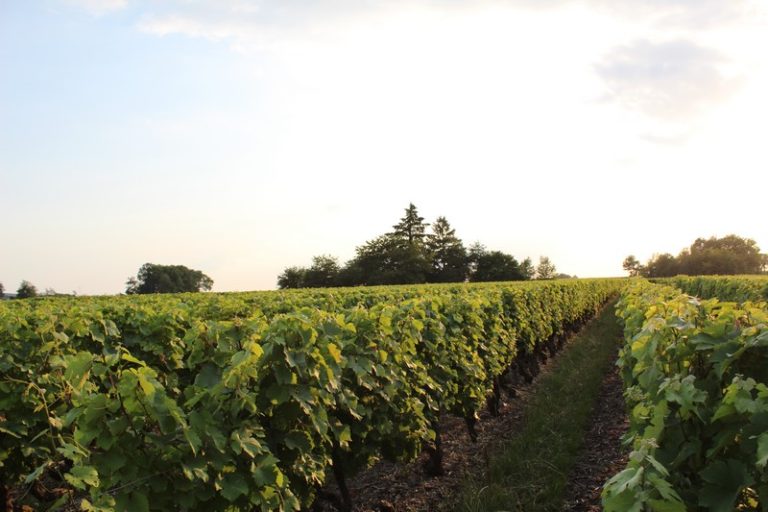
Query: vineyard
x,y
695,371
253,401
256,401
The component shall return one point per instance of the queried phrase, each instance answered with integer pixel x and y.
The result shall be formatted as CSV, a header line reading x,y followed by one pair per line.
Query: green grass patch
x,y
530,471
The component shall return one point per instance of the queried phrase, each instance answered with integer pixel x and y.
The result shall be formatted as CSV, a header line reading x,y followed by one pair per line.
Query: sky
x,y
242,137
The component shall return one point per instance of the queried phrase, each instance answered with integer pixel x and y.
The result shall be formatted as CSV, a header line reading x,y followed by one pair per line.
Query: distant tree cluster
x,y
411,254
153,278
26,290
724,256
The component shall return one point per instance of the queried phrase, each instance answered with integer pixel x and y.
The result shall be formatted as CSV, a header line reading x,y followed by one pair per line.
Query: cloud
x,y
671,80
248,21
214,30
99,7
692,14
242,24
676,139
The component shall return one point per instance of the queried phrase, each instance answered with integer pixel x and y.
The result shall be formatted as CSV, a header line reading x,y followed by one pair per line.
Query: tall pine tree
x,y
447,254
411,228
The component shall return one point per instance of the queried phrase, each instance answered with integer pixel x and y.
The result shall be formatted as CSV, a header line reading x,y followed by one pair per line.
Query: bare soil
x,y
603,455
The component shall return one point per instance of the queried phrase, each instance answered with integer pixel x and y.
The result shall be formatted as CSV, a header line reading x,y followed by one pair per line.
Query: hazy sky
x,y
240,137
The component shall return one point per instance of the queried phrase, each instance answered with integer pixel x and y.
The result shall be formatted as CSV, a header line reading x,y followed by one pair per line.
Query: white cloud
x,y
189,26
260,23
672,79
245,26
674,139
99,7
690,14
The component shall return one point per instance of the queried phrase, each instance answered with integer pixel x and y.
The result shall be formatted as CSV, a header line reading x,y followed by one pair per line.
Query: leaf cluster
x,y
696,378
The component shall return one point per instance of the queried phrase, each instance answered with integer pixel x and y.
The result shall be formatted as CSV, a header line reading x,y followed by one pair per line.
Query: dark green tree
x,y
154,278
375,259
475,252
2,291
399,257
632,266
496,266
292,277
351,274
446,252
728,255
411,228
527,269
545,269
387,260
661,265
324,272
26,290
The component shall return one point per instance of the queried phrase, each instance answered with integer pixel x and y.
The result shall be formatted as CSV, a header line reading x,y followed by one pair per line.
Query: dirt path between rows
x,y
603,455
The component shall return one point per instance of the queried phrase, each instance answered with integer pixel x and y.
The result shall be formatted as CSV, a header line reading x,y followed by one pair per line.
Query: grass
x,y
530,471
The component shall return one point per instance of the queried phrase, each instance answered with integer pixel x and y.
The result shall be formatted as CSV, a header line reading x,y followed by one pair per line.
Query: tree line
x,y
412,254
729,255
151,278
27,290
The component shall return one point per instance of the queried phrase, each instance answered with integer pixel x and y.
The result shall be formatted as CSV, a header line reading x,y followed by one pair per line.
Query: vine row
x,y
696,383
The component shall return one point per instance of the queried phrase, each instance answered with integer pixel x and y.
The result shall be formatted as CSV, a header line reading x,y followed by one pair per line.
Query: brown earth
x,y
604,455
